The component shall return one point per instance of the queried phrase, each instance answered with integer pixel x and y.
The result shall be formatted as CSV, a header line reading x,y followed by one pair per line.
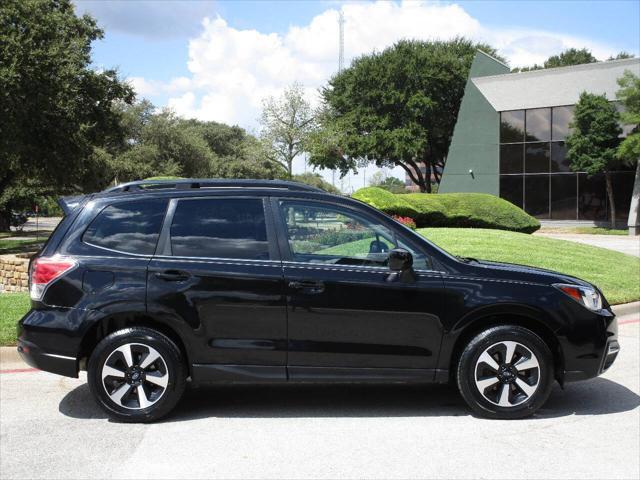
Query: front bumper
x,y
49,362
595,358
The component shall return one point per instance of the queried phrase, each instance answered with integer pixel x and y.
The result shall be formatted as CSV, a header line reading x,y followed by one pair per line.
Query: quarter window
x,y
220,228
329,235
130,227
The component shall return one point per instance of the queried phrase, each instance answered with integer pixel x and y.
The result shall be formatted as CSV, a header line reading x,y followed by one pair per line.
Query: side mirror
x,y
400,264
400,260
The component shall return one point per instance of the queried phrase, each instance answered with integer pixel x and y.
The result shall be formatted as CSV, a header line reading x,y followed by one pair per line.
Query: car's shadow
x,y
594,397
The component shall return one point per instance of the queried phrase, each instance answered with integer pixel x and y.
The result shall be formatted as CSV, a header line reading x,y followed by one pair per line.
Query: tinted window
x,y
536,159
562,118
536,194
131,227
564,197
559,160
622,193
324,234
511,189
512,126
592,204
220,228
511,158
539,125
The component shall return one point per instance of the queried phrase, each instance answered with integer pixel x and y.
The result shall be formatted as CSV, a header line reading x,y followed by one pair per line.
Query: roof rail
x,y
192,183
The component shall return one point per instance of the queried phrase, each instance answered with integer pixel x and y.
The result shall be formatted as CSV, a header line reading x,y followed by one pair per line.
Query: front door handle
x,y
173,275
307,286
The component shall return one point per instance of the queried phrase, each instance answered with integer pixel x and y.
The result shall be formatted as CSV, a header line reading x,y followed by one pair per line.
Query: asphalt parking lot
x,y
51,428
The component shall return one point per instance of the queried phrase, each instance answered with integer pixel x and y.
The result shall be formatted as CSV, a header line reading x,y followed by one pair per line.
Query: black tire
x,y
471,368
171,363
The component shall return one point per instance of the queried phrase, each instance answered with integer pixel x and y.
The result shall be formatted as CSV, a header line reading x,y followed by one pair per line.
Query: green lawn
x,y
618,275
19,246
12,307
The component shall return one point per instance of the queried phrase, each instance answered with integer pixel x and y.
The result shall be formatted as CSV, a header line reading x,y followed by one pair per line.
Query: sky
x,y
217,60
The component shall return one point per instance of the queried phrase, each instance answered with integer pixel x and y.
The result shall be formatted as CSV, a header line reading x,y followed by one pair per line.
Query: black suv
x,y
151,284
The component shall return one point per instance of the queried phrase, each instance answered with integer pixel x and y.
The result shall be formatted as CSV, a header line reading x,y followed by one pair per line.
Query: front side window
x,y
331,235
130,227
220,228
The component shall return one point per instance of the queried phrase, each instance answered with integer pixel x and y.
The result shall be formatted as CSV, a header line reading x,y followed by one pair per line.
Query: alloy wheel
x,y
135,376
507,374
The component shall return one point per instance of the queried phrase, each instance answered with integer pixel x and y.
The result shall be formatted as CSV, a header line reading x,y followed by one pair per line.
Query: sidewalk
x,y
625,244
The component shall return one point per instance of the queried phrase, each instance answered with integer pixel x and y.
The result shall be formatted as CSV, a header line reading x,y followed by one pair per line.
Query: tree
x,y
591,147
286,124
160,143
53,107
629,149
571,56
392,184
397,107
315,180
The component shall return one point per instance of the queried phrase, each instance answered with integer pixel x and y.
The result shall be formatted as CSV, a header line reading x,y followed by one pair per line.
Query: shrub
x,y
406,221
477,210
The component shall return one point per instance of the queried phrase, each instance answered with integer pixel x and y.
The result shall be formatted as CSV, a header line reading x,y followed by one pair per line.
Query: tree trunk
x,y
5,220
427,175
612,203
633,222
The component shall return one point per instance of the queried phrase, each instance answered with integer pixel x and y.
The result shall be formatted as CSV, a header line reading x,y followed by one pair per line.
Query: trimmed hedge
x,y
476,210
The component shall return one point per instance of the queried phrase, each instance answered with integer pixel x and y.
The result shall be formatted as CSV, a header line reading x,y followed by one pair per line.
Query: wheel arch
x,y
522,316
110,323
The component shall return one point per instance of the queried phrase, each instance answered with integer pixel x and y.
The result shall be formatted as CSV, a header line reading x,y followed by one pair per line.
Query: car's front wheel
x,y
136,374
505,372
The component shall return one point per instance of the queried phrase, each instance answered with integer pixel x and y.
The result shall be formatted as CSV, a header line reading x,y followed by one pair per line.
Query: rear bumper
x,y
49,362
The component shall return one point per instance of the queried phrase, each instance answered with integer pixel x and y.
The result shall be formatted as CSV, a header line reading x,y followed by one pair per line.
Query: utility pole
x,y
340,65
341,41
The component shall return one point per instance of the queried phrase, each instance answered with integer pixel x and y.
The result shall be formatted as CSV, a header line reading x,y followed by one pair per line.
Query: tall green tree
x,y
54,108
315,179
397,107
592,144
629,150
286,122
162,144
571,56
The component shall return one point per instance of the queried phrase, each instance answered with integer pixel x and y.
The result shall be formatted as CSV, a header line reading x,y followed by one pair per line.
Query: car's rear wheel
x,y
505,372
136,374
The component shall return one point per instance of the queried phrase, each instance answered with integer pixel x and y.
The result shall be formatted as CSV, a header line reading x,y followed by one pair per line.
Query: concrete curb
x,y
11,355
626,309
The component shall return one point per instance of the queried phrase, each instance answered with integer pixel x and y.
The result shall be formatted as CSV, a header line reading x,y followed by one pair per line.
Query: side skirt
x,y
213,373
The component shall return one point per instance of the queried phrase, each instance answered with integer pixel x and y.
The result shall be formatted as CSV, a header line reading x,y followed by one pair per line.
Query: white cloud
x,y
232,70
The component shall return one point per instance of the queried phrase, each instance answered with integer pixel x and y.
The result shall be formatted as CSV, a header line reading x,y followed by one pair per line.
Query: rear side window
x,y
130,227
220,228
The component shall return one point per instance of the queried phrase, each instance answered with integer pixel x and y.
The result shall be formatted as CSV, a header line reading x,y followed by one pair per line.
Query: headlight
x,y
587,296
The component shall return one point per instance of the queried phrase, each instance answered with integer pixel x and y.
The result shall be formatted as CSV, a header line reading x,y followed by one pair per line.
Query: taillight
x,y
44,270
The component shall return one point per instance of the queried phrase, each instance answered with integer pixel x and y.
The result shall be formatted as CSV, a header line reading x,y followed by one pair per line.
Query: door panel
x,y
344,308
218,272
359,319
236,310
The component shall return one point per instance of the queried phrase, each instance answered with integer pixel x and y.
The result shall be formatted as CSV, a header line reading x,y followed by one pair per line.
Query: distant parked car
x,y
153,283
18,219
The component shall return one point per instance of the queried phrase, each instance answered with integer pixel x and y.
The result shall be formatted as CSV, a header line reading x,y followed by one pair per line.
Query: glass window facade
x,y
536,176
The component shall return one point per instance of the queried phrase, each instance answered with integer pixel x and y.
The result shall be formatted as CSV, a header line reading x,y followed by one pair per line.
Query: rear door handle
x,y
307,286
173,275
